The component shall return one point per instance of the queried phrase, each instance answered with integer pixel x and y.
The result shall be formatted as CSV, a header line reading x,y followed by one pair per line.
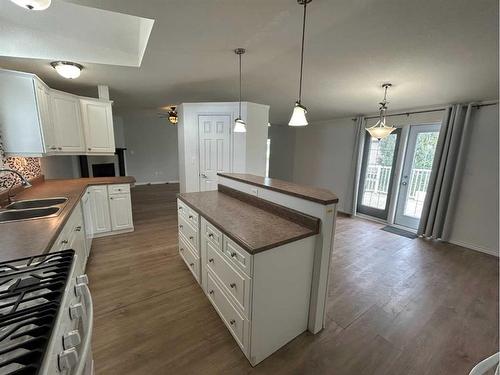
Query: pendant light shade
x,y
33,4
299,111
298,116
239,125
380,130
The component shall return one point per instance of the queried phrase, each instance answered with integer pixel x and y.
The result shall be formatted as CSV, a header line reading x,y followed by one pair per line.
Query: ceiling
x,y
433,51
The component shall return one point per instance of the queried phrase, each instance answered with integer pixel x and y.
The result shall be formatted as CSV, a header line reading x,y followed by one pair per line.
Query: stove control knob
x,y
71,339
79,290
76,311
82,279
68,359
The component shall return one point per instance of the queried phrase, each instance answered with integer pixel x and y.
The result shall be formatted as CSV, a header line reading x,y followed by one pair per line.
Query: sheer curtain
x,y
444,183
357,156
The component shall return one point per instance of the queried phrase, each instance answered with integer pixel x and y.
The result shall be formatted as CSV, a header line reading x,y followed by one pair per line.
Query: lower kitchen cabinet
x,y
110,210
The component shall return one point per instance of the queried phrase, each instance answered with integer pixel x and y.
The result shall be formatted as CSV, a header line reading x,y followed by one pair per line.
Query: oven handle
x,y
90,326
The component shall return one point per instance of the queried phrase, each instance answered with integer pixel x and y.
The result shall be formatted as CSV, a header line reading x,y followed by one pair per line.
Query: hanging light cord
x,y
302,51
240,87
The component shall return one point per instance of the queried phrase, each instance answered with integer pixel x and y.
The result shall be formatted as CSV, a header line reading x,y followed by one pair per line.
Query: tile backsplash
x,y
28,167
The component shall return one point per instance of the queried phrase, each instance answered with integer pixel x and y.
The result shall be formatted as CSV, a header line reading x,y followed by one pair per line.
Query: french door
x,y
417,165
377,175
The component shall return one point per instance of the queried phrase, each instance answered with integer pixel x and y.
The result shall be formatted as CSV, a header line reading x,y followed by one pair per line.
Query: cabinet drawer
x,y
191,260
213,235
190,233
238,326
119,189
236,283
238,256
192,217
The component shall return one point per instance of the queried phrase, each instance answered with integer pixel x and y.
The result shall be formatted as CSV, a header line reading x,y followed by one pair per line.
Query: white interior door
x,y
215,135
417,165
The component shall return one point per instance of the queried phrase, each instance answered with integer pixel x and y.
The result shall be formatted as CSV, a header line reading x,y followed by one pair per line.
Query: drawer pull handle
x,y
78,229
191,265
232,285
181,226
180,208
182,249
210,235
191,237
232,321
211,260
211,292
190,216
64,242
233,255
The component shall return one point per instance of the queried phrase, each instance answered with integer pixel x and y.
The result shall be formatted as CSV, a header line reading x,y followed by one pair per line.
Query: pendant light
x,y
239,124
299,111
380,130
33,4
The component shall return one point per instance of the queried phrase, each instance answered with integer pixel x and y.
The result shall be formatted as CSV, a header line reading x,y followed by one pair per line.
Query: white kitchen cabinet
x,y
87,219
66,116
97,121
99,208
120,209
37,121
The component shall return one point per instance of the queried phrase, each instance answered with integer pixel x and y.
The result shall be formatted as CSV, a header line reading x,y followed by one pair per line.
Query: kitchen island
x,y
255,260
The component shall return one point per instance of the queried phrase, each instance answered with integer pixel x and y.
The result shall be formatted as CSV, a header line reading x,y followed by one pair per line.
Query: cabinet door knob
x,y
59,148
111,198
90,148
181,249
233,255
191,237
190,216
181,226
180,208
232,285
78,229
64,242
211,260
232,321
53,148
211,292
210,235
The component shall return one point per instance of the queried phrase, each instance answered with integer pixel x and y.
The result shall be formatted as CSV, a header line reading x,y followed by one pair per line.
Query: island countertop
x,y
24,238
252,223
310,193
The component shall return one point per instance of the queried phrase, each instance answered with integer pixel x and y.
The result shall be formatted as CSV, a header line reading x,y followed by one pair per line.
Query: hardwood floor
x,y
397,306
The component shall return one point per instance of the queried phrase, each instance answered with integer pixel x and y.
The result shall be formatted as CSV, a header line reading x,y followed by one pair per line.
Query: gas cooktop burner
x,y
31,290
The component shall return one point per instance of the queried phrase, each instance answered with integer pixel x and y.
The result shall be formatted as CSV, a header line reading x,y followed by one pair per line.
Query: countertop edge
x,y
241,242
279,190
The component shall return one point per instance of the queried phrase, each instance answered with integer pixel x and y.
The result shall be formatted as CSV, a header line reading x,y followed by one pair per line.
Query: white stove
x,y
46,316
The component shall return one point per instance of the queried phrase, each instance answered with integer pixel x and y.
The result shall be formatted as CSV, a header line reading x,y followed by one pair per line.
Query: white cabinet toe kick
x,y
262,298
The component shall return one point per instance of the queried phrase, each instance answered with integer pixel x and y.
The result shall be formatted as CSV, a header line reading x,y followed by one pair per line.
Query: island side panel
x,y
323,247
281,292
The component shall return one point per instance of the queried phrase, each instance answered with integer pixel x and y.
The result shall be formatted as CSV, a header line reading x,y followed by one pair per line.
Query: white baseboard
x,y
112,233
475,247
157,183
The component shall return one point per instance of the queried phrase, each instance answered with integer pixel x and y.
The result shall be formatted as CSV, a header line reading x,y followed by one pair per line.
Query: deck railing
x,y
378,178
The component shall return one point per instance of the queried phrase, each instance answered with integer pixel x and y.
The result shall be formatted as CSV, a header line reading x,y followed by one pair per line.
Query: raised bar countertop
x,y
249,222
26,238
309,193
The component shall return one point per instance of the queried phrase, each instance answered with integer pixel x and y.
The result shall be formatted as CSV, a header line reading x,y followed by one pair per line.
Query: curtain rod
x,y
426,111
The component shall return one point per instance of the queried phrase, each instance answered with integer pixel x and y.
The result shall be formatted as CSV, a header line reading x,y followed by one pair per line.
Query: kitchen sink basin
x,y
36,203
33,213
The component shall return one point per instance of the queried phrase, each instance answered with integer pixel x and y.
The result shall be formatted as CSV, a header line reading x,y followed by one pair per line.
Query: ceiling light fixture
x,y
239,124
299,111
380,130
172,115
67,69
33,4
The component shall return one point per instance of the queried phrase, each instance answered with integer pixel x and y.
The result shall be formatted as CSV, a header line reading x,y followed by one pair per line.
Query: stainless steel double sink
x,y
32,209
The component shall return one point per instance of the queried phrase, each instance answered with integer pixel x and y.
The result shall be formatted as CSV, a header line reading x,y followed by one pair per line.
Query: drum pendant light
x,y
299,111
380,130
239,124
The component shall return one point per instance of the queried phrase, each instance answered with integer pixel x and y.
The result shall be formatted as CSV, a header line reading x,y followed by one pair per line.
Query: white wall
x,y
282,152
476,221
151,142
119,132
323,154
55,167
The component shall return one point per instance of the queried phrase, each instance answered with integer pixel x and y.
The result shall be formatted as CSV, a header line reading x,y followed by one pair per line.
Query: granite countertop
x,y
309,193
36,236
249,222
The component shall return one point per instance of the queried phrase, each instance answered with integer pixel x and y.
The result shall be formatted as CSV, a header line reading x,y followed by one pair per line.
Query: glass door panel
x,y
377,171
417,167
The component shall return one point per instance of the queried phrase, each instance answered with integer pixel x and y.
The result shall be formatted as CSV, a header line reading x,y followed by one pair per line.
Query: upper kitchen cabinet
x,y
36,120
98,126
67,119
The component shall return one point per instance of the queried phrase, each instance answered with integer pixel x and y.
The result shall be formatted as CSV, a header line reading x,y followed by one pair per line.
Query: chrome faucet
x,y
24,182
